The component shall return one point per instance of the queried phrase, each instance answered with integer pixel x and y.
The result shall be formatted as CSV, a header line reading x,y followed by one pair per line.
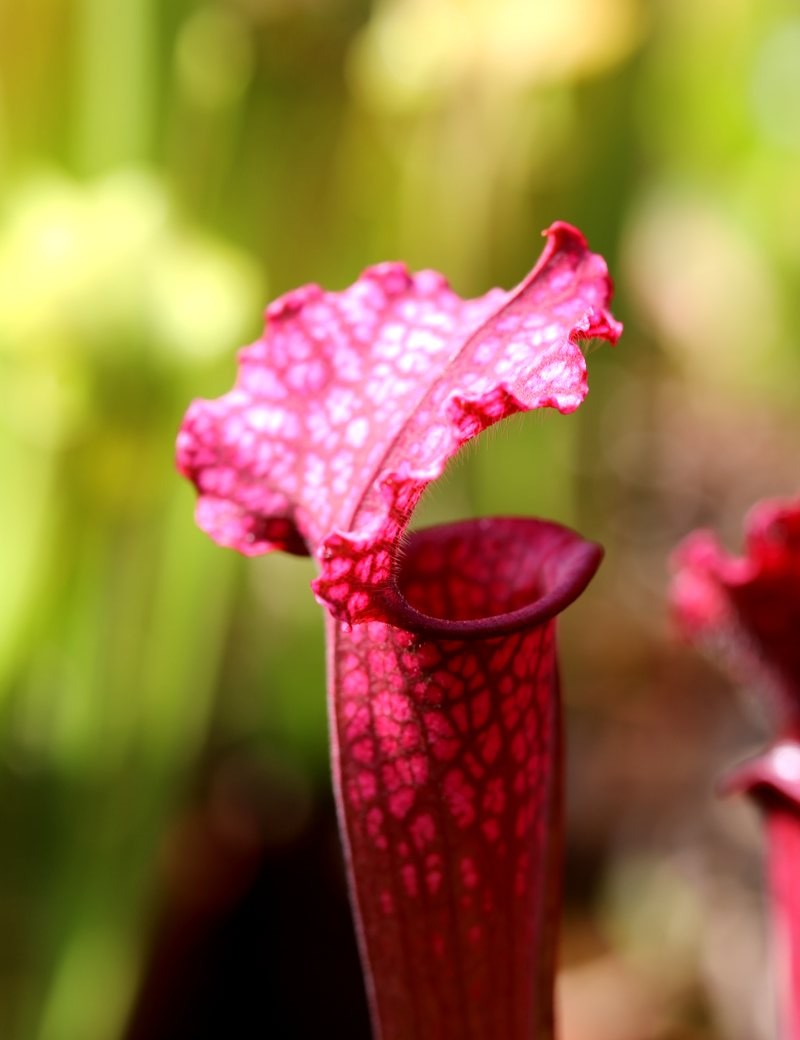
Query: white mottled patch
x,y
424,340
340,404
411,363
271,420
393,333
553,371
356,432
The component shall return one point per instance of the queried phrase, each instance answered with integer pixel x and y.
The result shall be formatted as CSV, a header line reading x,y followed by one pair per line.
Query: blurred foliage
x,y
164,170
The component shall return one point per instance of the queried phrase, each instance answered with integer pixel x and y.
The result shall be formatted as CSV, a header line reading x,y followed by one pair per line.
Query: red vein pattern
x,y
443,689
448,768
351,403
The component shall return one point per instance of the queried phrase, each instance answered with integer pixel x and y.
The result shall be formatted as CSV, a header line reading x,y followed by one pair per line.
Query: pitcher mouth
x,y
475,579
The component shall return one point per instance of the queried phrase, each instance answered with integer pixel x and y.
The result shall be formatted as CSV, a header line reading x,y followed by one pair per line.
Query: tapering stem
x,y
782,823
772,779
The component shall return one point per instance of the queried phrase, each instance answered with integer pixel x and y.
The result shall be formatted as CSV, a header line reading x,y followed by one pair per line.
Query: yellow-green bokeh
x,y
165,169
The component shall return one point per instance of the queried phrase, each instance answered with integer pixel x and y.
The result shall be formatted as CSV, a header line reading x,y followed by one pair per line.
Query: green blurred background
x,y
165,169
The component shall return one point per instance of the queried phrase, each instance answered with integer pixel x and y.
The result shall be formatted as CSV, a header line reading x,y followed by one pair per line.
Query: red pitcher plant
x,y
746,611
442,672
